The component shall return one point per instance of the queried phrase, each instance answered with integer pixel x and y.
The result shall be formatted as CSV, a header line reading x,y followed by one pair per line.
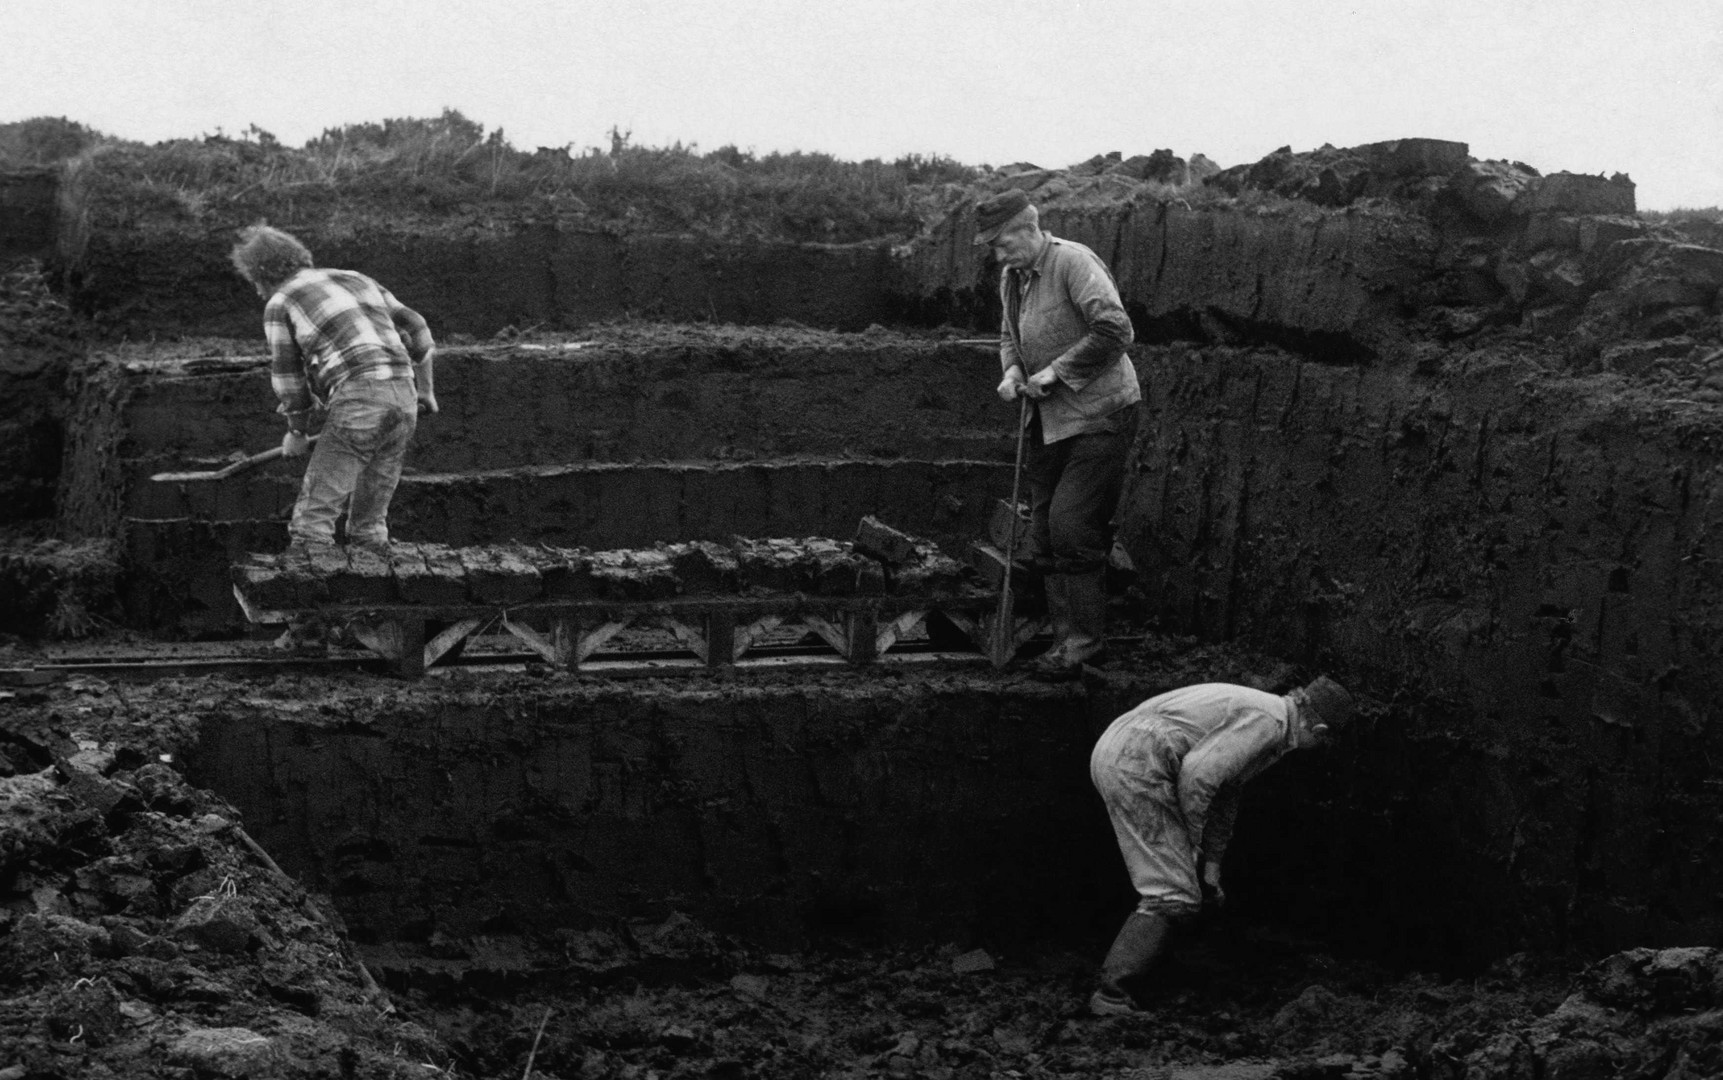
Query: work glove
x,y
427,402
1012,385
295,444
1213,894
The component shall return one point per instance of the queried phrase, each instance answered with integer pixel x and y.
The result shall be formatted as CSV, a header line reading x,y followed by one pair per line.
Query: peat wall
x,y
937,808
478,278
636,436
930,809
1529,561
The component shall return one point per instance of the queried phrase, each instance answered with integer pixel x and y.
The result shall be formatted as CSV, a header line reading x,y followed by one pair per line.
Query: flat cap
x,y
995,212
1331,701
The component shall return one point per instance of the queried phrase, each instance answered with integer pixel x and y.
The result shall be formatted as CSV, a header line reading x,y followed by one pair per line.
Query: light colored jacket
x,y
1064,311
1215,737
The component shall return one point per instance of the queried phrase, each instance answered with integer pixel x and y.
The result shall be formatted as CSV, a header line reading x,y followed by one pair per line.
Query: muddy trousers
x,y
357,463
1074,487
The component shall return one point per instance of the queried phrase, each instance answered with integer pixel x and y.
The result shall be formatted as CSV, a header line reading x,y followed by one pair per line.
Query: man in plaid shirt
x,y
338,338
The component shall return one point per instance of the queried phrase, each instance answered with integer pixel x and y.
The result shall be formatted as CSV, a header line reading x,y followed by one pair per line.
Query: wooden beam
x,y
446,640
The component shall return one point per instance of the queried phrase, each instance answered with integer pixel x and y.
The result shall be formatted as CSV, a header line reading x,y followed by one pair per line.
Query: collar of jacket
x,y
1035,267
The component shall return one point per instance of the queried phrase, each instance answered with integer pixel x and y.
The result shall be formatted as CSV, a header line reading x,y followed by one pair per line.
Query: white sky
x,y
1634,86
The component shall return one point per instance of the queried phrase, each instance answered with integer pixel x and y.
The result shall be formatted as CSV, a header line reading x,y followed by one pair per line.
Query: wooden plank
x,y
745,636
400,641
546,647
721,638
449,637
836,634
591,637
891,631
862,630
310,589
687,633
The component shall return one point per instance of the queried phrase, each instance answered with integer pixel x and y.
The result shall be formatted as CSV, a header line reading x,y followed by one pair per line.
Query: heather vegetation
x,y
451,163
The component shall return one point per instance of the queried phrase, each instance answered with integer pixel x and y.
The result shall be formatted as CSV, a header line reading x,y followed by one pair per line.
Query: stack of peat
x,y
880,563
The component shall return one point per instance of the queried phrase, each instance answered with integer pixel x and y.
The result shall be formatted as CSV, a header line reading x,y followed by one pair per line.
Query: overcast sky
x,y
1597,86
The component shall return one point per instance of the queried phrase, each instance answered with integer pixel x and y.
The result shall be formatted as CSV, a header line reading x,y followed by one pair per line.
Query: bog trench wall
x,y
662,437
936,809
1531,563
481,278
781,812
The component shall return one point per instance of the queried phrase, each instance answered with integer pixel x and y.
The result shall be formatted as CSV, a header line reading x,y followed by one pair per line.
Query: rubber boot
x,y
1139,944
1059,612
1086,609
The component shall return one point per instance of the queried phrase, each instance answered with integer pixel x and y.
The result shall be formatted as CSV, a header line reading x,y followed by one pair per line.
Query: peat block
x,y
932,573
443,580
777,565
566,572
497,575
634,575
877,539
839,571
704,568
366,579
265,582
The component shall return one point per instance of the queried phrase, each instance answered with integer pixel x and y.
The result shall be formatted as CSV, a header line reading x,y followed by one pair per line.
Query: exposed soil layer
x,y
144,937
622,438
1529,556
481,276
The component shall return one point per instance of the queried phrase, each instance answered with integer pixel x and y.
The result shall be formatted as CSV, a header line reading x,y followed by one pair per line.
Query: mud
x,y
1445,428
145,938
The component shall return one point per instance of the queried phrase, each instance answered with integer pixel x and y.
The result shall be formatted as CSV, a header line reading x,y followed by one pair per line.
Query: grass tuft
x,y
452,163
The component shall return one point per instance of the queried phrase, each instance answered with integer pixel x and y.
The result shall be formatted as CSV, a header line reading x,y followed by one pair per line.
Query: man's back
x,y
341,324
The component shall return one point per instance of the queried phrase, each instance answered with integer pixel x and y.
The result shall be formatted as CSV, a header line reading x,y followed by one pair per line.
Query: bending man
x,y
1062,344
1170,772
339,338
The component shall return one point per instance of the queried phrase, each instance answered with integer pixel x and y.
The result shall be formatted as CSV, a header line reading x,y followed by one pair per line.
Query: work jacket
x,y
1064,311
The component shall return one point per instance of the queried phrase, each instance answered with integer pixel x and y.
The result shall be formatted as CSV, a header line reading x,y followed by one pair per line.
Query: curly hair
x,y
267,257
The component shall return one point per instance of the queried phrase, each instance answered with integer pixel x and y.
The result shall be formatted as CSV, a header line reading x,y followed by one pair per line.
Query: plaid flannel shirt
x,y
327,326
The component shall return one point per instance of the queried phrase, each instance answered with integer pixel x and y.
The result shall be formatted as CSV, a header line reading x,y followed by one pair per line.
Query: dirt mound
x,y
137,928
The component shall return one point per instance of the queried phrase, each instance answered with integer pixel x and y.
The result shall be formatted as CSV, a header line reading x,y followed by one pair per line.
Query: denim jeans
x,y
1074,488
357,462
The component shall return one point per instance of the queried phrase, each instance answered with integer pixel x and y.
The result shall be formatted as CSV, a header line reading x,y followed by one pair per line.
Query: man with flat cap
x,y
1170,772
1062,345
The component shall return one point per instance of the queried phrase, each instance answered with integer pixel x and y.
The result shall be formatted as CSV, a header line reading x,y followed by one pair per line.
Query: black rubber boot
x,y
1140,943
1086,608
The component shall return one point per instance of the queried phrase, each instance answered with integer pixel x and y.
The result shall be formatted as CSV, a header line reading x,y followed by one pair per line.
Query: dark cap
x,y
993,213
1330,700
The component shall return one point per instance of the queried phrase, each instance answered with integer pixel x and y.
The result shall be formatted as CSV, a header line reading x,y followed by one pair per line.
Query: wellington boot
x,y
1085,597
1139,944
